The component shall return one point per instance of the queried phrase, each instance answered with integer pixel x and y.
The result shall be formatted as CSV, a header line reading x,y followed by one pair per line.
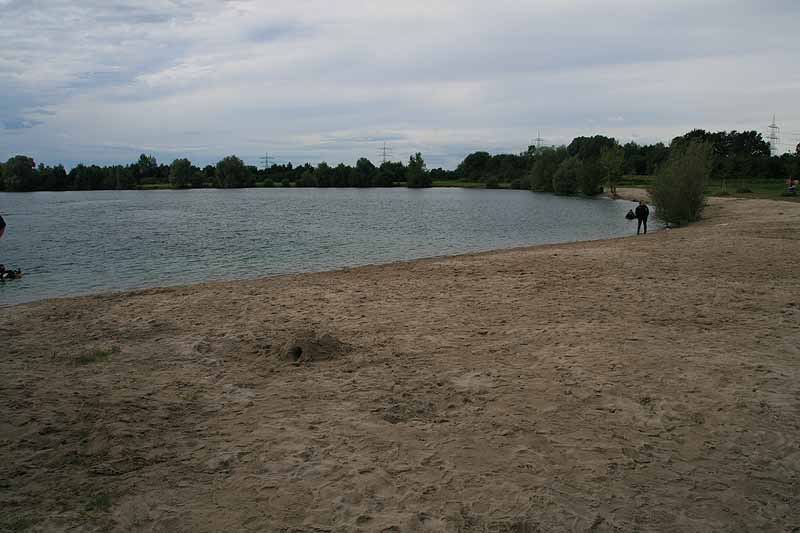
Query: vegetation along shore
x,y
742,165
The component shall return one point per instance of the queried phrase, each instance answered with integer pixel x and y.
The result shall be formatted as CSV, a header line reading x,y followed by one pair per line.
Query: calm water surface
x,y
72,243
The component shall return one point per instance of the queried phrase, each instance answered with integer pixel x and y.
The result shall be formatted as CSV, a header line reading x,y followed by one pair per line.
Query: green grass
x,y
16,524
100,503
633,180
466,184
97,355
762,189
766,190
155,186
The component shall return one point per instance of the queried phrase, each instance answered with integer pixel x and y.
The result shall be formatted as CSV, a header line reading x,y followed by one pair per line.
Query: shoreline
x,y
624,194
645,382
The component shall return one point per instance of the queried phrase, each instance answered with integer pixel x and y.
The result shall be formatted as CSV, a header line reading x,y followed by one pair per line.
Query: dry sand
x,y
639,384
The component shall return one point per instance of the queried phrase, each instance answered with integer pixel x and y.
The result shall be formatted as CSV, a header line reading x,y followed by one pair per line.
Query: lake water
x,y
73,243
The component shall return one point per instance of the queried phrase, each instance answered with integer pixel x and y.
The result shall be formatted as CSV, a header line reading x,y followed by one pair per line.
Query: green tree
x,y
180,173
324,175
544,168
416,173
146,170
612,159
19,174
565,180
308,179
589,148
590,177
678,187
475,166
363,173
231,173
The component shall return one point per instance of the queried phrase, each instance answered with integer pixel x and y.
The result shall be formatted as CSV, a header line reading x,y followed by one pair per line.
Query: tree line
x,y
585,166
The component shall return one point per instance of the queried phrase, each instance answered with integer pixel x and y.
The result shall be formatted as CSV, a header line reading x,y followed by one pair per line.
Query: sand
x,y
639,384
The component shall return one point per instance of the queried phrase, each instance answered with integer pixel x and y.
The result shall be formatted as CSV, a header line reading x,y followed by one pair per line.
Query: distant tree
x,y
589,148
590,177
341,175
678,188
612,159
232,173
416,173
565,180
544,168
52,178
436,174
180,173
308,179
475,166
389,173
209,174
146,169
19,174
363,174
324,175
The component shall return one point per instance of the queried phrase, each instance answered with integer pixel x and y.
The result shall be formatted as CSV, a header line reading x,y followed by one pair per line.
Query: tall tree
x,y
416,174
611,161
231,173
19,174
180,173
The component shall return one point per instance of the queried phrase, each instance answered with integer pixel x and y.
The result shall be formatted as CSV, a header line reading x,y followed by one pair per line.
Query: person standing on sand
x,y
642,212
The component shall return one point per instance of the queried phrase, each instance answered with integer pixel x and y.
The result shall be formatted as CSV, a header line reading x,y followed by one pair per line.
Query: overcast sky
x,y
101,81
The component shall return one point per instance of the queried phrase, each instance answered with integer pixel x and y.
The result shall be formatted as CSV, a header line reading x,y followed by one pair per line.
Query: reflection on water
x,y
72,243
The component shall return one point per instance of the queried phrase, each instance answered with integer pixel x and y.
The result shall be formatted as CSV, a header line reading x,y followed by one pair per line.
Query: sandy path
x,y
645,383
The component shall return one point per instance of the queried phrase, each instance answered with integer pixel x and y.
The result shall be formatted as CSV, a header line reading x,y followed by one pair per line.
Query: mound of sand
x,y
308,346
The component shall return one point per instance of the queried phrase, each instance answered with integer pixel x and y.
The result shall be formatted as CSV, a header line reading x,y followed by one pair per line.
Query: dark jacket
x,y
642,212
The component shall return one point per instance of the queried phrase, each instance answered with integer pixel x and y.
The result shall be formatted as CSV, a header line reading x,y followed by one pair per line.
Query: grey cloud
x,y
444,78
20,123
267,33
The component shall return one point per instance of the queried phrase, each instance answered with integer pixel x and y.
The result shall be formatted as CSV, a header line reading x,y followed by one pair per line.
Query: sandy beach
x,y
647,383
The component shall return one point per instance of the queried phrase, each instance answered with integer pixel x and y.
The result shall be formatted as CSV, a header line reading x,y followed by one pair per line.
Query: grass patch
x,y
761,189
17,524
98,504
97,355
467,184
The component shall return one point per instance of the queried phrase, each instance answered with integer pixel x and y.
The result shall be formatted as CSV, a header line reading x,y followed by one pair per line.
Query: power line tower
x,y
385,153
774,137
538,139
265,160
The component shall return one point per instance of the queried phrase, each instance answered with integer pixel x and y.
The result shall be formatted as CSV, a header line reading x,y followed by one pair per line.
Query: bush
x,y
565,180
492,183
678,187
590,178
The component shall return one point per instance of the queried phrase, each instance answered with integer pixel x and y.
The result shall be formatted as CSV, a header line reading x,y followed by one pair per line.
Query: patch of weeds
x,y
97,355
17,524
190,395
98,504
645,400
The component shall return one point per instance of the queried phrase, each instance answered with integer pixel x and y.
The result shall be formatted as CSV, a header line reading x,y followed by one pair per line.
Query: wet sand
x,y
639,384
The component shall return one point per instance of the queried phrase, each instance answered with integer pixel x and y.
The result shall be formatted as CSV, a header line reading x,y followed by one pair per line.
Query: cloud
x,y
307,79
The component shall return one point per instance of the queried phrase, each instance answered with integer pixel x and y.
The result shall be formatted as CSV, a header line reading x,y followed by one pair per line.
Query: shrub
x,y
492,183
565,180
590,178
678,187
